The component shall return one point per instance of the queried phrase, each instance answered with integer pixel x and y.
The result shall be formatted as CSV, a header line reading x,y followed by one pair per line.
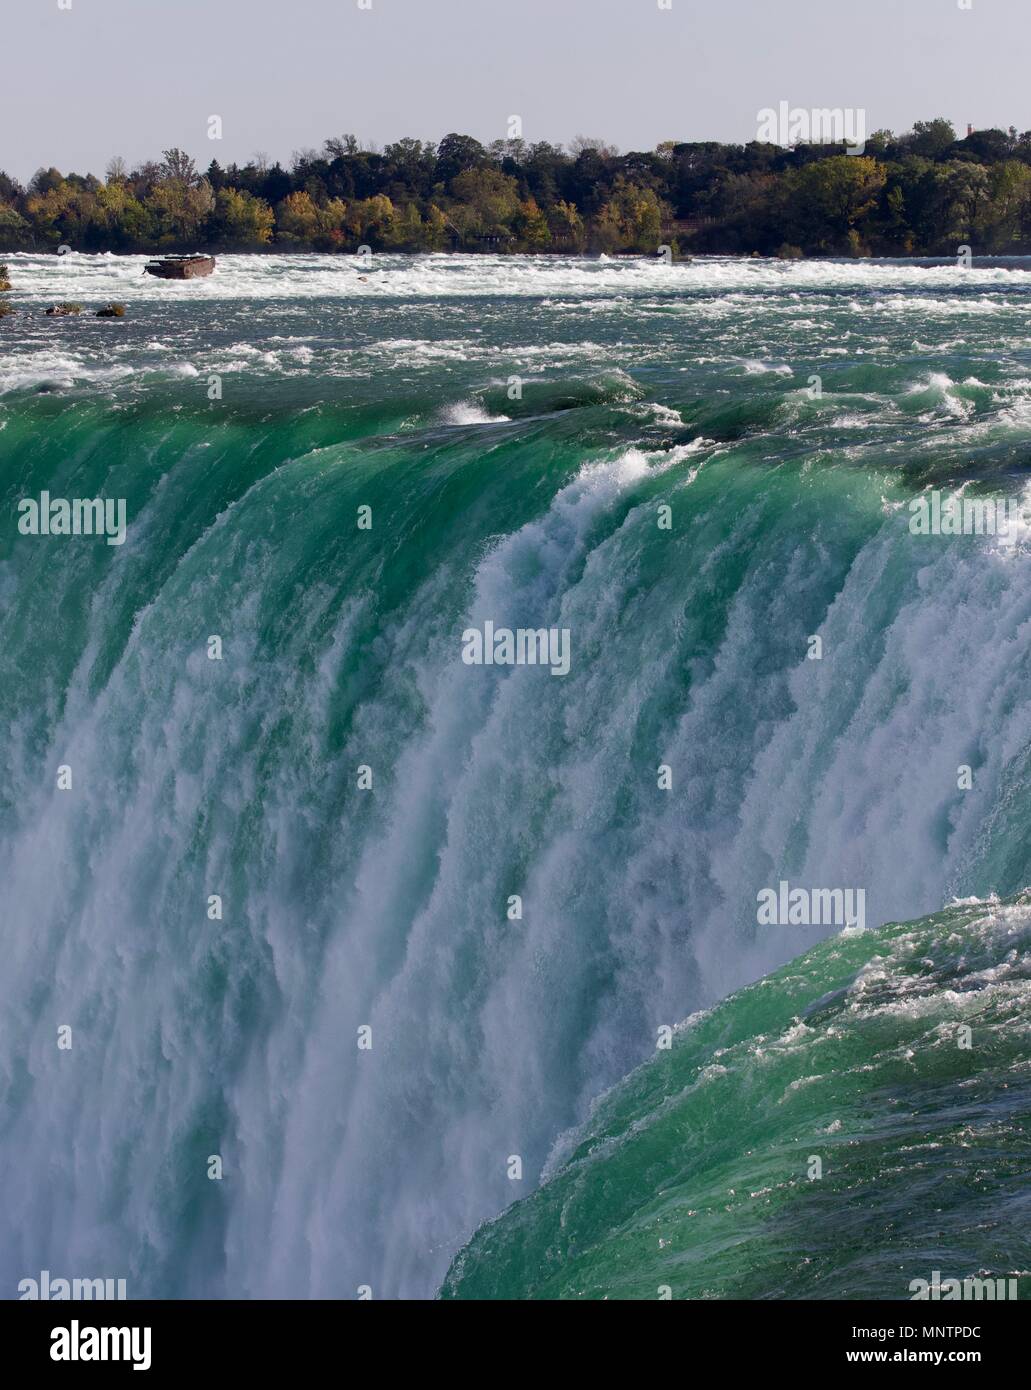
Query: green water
x,y
829,1132
636,455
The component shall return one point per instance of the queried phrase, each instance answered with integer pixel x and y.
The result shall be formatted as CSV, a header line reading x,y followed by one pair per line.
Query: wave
x,y
839,1130
447,275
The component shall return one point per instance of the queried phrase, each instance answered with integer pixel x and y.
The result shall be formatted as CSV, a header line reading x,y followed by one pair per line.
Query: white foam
x,y
39,276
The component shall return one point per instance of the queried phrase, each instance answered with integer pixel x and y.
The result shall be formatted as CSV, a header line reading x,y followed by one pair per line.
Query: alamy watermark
x,y
936,1289
948,514
785,906
81,1343
78,516
46,1289
523,646
788,126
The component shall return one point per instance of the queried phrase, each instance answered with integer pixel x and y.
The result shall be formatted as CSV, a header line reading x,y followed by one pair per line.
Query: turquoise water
x,y
516,426
828,1133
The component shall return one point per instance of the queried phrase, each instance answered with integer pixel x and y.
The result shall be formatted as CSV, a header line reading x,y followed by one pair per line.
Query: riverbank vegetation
x,y
921,193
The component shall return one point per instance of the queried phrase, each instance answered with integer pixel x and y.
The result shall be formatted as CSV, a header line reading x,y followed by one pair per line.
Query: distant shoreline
x,y
983,259
924,193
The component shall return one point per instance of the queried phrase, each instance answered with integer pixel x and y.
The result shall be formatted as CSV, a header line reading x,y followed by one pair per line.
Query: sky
x,y
82,80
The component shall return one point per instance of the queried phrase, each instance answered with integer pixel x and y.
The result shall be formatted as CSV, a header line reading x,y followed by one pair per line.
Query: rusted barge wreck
x,y
180,267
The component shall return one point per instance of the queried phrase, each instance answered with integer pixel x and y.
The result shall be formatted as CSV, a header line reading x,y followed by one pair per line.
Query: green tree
x,y
831,197
14,229
435,233
241,218
1004,215
457,153
961,189
371,220
931,139
531,226
405,231
297,218
631,219
486,203
181,200
749,210
566,227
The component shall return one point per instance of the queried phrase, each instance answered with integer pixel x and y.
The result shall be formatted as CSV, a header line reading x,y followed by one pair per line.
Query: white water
x,y
490,1036
343,908
80,276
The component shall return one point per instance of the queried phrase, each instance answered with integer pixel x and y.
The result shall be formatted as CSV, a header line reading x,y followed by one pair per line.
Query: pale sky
x,y
132,77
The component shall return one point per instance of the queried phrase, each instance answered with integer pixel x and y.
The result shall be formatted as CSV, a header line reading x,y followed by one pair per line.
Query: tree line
x,y
925,192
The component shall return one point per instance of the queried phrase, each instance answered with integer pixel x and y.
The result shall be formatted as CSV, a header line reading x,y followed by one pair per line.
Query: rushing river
x,y
258,811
